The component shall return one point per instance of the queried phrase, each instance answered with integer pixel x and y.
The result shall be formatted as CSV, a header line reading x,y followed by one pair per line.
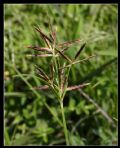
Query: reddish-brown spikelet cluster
x,y
58,51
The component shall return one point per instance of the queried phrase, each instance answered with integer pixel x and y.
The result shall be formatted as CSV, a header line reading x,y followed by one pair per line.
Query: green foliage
x,y
33,117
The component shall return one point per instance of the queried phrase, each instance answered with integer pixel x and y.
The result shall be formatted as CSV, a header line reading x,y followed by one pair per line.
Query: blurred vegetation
x,y
33,117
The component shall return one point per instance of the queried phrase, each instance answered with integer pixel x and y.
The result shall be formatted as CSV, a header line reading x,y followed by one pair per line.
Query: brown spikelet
x,y
64,56
77,86
61,77
42,77
40,48
39,55
78,53
53,32
43,35
69,43
65,49
65,79
42,73
52,38
51,71
44,87
54,35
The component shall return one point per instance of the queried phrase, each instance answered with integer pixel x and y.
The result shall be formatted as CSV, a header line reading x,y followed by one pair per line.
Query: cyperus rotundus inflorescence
x,y
57,80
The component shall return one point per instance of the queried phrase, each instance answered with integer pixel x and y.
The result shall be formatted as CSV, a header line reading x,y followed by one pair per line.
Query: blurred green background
x,y
33,117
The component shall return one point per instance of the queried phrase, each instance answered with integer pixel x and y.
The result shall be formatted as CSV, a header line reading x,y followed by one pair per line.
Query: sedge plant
x,y
59,67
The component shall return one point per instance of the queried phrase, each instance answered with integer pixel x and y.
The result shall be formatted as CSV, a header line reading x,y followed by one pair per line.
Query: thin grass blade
x,y
98,70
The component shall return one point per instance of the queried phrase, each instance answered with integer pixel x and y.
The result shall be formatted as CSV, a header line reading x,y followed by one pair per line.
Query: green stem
x,y
64,123
55,62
